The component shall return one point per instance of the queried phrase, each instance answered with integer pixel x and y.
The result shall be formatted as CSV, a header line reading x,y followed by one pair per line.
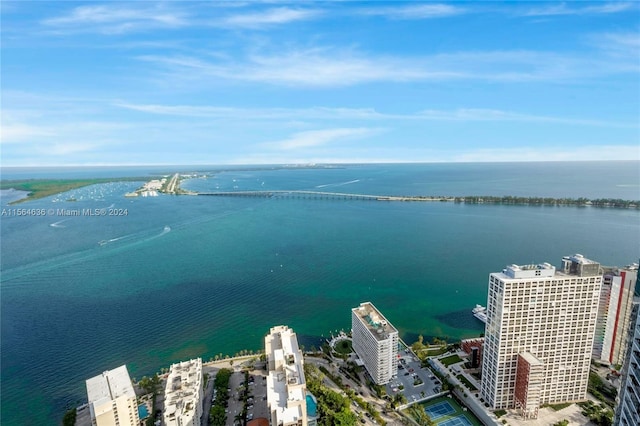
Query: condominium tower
x,y
112,400
286,384
628,400
375,341
539,334
183,394
614,314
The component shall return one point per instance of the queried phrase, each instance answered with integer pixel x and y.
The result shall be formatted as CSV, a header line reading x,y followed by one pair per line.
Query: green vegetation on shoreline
x,y
40,188
549,201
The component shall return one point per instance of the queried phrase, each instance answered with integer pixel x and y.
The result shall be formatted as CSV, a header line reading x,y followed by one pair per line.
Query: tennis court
x,y
445,411
440,409
455,421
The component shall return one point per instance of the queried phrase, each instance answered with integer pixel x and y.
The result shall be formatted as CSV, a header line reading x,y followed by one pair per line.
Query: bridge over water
x,y
321,195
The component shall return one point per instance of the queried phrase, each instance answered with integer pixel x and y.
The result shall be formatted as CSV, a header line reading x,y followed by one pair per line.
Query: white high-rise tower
x,y
539,334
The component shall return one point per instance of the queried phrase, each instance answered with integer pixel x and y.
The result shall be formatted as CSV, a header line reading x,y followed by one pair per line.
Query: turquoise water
x,y
312,407
143,413
179,277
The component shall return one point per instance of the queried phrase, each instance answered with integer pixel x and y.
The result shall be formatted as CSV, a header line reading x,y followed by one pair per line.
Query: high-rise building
x,y
112,400
614,314
183,394
286,384
539,334
628,400
375,341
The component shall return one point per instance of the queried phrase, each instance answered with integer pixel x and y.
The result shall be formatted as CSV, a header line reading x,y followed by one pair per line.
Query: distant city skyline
x,y
155,83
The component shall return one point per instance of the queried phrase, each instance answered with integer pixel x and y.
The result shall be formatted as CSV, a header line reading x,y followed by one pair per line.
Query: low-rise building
x,y
473,347
183,394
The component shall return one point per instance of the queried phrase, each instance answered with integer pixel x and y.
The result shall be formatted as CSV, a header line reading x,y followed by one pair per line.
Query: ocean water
x,y
185,276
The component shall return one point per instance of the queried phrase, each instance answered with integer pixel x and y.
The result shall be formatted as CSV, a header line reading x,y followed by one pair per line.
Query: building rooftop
x,y
286,382
110,385
182,391
530,358
580,266
375,322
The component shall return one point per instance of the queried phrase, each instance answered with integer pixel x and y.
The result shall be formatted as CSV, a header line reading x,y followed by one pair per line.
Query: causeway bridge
x,y
320,195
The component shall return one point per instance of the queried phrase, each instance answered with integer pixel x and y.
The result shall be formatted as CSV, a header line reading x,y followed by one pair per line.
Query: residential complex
x,y
286,385
614,314
628,401
539,334
375,341
112,400
183,394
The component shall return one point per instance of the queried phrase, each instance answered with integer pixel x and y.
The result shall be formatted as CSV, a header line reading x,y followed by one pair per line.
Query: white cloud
x,y
621,44
281,15
334,67
313,67
110,19
360,114
563,9
315,138
12,133
415,11
67,148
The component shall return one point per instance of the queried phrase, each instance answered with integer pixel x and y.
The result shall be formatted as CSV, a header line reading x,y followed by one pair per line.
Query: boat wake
x,y
165,230
57,224
338,184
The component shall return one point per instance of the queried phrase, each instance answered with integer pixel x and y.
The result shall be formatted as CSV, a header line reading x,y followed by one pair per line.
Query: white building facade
x,y
183,394
547,319
112,400
286,384
614,314
375,341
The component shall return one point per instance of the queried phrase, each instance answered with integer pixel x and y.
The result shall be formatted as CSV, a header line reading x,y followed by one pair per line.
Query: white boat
x,y
480,312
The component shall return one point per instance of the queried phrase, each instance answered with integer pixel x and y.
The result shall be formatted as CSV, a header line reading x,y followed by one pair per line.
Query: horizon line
x,y
310,164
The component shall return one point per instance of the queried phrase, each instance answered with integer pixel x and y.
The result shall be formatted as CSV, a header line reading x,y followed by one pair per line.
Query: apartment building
x,y
614,314
628,400
183,394
112,400
375,341
539,334
286,384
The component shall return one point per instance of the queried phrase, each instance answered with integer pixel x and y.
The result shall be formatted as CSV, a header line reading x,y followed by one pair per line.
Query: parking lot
x,y
257,400
415,382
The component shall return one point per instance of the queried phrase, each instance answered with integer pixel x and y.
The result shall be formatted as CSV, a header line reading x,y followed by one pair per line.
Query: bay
x,y
185,276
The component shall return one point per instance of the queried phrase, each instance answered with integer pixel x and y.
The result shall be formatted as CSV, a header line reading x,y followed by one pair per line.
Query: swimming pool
x,y
312,406
143,413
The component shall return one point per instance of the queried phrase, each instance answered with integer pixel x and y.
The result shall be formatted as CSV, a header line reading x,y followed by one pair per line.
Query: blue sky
x,y
266,82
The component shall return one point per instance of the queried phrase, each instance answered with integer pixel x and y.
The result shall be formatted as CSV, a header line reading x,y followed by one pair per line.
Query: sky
x,y
273,82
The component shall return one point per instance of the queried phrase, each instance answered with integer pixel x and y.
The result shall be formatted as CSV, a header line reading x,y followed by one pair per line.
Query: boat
x,y
480,312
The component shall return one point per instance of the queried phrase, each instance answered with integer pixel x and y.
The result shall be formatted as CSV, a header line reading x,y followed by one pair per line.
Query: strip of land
x,y
40,188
